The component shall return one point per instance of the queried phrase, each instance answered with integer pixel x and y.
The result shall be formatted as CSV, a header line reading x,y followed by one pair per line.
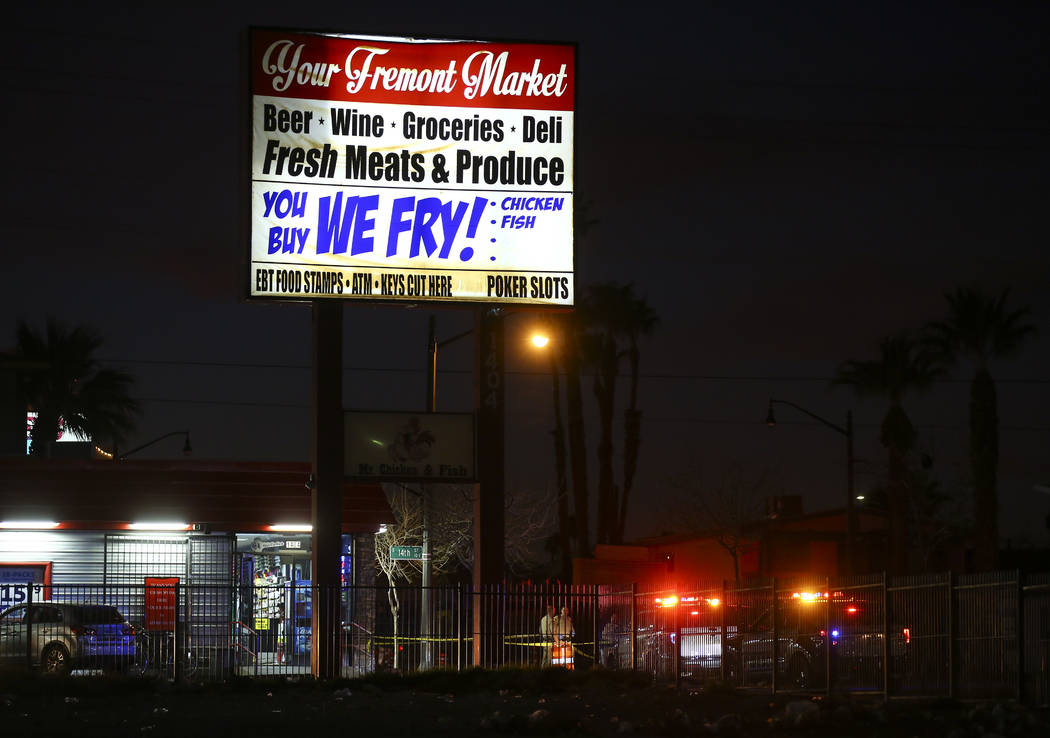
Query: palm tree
x,y
91,400
613,314
563,539
569,353
902,367
602,313
981,328
603,330
643,322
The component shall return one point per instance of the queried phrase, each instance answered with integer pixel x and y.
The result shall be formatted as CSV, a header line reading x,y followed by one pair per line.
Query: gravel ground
x,y
550,703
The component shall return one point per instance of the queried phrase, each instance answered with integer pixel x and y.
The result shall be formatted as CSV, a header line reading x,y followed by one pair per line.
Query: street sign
x,y
406,553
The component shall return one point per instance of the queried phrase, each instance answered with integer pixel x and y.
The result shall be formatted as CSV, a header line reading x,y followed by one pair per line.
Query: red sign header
x,y
404,72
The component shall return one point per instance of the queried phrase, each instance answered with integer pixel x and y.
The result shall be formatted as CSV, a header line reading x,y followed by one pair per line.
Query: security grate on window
x,y
130,559
211,596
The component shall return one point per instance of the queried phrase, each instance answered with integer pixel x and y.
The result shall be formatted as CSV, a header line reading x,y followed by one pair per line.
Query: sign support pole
x,y
427,656
326,493
489,492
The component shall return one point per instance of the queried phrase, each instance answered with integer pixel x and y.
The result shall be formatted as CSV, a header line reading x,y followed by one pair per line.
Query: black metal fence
x,y
974,636
981,636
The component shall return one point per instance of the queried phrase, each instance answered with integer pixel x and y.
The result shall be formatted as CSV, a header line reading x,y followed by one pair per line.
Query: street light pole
x,y
432,352
187,449
489,493
427,656
851,509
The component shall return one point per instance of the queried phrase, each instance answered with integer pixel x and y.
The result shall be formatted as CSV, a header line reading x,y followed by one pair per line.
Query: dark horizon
x,y
786,186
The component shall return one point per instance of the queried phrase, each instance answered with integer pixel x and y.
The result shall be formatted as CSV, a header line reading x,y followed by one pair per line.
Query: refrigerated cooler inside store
x,y
275,593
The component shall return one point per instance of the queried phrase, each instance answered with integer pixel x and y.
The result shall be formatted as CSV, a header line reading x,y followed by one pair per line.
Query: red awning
x,y
225,495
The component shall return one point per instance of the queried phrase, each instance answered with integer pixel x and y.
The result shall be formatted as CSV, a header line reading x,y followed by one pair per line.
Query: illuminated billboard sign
x,y
410,169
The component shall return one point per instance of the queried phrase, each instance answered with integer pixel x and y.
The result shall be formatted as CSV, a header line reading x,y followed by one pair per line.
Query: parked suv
x,y
66,636
692,626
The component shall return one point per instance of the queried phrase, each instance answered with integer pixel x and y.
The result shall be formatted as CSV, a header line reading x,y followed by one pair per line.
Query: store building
x,y
236,534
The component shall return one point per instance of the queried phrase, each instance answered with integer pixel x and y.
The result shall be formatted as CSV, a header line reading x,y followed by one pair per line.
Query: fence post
x,y
827,638
595,661
722,635
176,662
29,626
1020,638
951,635
776,635
885,638
634,626
459,626
676,661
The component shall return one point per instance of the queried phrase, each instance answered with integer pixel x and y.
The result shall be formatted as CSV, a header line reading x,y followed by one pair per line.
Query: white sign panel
x,y
410,446
411,169
15,581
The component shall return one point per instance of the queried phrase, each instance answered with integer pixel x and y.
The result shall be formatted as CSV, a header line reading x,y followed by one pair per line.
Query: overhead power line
x,y
691,419
692,376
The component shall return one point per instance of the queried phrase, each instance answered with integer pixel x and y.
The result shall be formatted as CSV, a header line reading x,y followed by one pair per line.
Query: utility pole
x,y
852,529
326,494
433,345
489,493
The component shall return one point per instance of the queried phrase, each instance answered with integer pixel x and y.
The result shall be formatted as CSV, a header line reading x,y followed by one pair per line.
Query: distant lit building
x,y
786,543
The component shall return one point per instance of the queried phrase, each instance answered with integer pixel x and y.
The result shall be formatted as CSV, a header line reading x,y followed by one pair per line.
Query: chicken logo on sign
x,y
412,442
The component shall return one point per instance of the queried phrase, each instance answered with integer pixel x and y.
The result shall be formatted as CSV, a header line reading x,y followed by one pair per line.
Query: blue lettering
x,y
450,224
285,240
398,223
284,203
363,244
334,225
268,201
299,205
428,210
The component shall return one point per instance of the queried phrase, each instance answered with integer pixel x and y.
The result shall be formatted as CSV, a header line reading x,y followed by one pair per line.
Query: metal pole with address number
x,y
489,378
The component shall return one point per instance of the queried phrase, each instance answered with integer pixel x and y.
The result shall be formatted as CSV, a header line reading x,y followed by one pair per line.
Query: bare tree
x,y
936,516
448,520
727,508
529,520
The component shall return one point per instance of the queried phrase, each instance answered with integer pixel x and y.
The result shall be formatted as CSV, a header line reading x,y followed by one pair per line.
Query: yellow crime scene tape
x,y
526,639
384,640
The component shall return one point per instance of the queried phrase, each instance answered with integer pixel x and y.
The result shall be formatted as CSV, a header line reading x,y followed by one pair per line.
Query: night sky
x,y
786,183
